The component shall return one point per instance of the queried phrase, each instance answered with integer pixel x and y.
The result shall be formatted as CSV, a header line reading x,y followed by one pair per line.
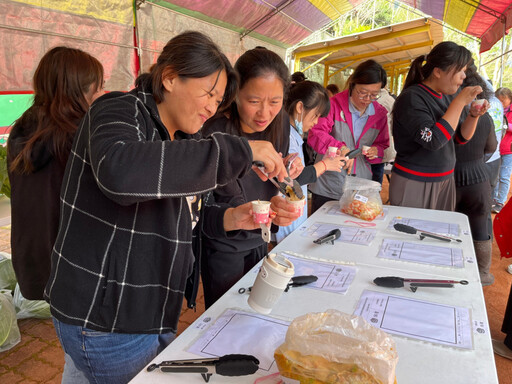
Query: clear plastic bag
x,y
334,347
26,308
9,331
7,276
361,198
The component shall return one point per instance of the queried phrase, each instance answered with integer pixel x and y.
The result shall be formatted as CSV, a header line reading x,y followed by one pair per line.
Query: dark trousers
x,y
474,201
318,200
493,169
221,270
507,321
377,172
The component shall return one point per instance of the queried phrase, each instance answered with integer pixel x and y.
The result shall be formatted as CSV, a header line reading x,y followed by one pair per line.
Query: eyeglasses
x,y
366,95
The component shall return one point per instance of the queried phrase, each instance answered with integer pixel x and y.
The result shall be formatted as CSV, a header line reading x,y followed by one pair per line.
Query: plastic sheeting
x,y
296,20
477,18
157,25
27,32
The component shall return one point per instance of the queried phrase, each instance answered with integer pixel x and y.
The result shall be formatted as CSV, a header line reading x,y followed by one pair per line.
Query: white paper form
x,y
332,277
427,226
242,332
421,253
354,235
335,210
423,320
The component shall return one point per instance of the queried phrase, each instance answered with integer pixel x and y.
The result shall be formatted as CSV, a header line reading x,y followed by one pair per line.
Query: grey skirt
x,y
405,192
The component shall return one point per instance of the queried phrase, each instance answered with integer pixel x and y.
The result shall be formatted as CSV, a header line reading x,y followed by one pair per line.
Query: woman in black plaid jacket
x,y
130,200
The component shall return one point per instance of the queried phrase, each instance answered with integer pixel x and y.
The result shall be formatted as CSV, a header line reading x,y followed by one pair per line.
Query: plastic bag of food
x,y
7,276
9,331
361,198
334,347
26,308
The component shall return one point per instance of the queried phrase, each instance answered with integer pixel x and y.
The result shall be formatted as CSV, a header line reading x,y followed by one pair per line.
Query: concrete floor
x,y
38,358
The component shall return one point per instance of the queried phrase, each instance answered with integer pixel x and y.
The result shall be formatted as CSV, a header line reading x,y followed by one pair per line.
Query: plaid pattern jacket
x,y
129,200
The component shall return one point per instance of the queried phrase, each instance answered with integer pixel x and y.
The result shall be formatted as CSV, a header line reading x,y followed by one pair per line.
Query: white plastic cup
x,y
260,211
332,151
297,204
274,275
478,104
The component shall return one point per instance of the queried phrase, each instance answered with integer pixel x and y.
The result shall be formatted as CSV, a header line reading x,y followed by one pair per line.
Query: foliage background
x,y
380,13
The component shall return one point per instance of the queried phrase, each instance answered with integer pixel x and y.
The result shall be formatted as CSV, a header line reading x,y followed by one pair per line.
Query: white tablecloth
x,y
419,362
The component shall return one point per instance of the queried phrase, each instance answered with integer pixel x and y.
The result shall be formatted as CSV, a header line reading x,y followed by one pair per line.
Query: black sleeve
x,y
307,176
129,167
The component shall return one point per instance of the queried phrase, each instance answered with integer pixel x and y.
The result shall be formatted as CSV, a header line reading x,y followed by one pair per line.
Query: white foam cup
x,y
478,104
273,277
260,211
297,204
332,151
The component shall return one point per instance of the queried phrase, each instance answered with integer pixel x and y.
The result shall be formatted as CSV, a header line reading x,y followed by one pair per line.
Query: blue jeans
x,y
501,190
103,357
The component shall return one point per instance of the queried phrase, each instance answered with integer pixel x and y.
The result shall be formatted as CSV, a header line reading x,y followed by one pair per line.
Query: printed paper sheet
x,y
354,235
242,332
422,320
421,253
332,277
428,226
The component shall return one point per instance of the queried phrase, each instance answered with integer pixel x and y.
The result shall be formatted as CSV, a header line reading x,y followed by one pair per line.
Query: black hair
x,y
368,72
333,88
298,76
190,55
445,56
312,95
255,63
473,78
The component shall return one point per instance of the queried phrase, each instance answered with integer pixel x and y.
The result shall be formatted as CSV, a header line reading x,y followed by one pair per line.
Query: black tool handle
x,y
353,153
178,369
389,282
405,228
297,281
237,365
331,236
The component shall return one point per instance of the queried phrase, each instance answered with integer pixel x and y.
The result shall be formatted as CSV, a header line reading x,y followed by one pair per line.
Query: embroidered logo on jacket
x,y
426,134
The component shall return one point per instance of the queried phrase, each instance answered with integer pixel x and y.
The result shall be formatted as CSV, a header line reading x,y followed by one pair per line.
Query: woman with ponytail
x,y
427,126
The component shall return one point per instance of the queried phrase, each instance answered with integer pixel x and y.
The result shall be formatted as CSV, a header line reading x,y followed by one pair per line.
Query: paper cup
x,y
478,104
365,149
332,151
260,211
297,204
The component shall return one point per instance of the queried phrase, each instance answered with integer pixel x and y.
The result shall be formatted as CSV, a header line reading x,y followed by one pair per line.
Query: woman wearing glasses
x,y
355,120
427,127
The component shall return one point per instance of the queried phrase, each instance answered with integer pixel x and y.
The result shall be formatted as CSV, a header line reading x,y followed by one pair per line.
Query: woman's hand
x,y
334,164
468,94
372,153
240,218
478,110
294,165
348,162
264,151
284,212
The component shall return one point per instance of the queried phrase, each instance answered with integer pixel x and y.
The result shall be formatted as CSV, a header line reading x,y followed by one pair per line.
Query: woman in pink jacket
x,y
355,120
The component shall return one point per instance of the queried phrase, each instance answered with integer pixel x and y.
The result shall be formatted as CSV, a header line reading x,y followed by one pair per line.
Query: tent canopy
x,y
290,21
